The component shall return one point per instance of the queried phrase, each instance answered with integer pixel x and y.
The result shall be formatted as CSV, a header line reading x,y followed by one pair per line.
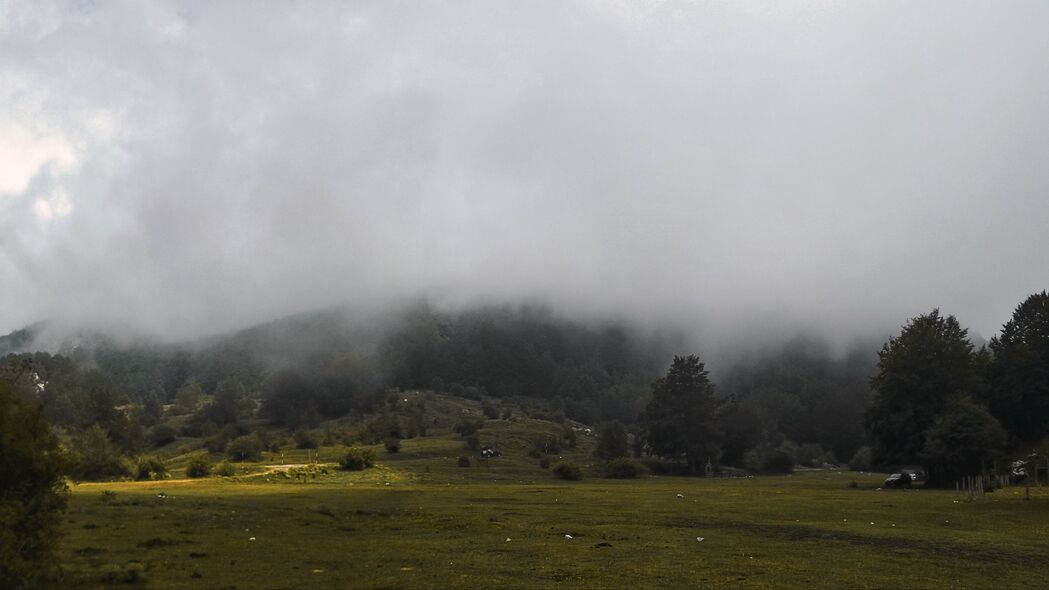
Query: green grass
x,y
353,530
419,521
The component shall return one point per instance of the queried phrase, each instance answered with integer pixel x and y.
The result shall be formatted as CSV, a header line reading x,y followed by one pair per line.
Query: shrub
x,y
489,410
150,468
357,459
225,469
304,439
198,466
382,427
545,462
780,462
392,445
535,453
464,461
473,442
245,448
466,427
97,458
566,470
217,443
507,414
623,468
612,441
861,461
162,434
811,454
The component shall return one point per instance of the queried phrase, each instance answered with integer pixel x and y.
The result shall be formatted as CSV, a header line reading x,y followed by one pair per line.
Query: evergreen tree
x,y
1019,370
680,421
612,442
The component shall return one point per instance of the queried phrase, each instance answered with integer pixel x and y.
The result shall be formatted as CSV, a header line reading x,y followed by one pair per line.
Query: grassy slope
x,y
438,525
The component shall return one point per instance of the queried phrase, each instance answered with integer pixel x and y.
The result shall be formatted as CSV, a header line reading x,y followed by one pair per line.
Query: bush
x,y
489,410
861,461
382,427
304,439
245,448
507,414
97,458
780,462
466,427
357,459
566,470
612,441
623,468
150,468
198,466
811,454
545,462
464,461
225,469
392,445
162,434
472,442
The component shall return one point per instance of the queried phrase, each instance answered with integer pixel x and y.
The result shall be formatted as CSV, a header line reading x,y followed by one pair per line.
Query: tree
x,y
612,442
97,458
960,441
32,493
1019,370
680,420
919,371
188,396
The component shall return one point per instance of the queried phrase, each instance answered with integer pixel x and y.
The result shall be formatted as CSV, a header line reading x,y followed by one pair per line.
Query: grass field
x,y
418,521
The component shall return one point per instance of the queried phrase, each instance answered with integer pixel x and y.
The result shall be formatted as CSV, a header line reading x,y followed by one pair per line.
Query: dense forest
x,y
795,403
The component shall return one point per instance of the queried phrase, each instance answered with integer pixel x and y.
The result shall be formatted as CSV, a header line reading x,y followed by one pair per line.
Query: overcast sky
x,y
737,167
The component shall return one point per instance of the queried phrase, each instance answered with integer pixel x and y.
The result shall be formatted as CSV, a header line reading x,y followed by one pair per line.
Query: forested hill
x,y
593,371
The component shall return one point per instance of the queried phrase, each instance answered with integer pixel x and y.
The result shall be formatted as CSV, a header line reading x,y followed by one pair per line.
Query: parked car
x,y
899,480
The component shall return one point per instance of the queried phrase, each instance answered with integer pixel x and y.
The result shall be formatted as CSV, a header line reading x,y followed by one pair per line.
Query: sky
x,y
738,169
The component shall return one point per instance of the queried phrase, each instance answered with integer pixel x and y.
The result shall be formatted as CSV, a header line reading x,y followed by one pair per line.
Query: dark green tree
x,y
612,441
919,372
32,493
960,442
1019,370
681,419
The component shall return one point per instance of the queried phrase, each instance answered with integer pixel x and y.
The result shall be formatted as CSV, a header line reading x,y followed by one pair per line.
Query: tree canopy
x,y
1019,370
681,419
32,492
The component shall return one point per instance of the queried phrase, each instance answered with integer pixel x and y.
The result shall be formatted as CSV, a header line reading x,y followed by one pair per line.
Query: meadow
x,y
417,520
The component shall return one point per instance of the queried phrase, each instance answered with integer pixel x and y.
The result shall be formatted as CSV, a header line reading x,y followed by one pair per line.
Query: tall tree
x,y
920,371
681,419
1019,370
32,493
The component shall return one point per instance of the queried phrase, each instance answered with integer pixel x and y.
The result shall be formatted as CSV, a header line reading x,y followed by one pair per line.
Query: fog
x,y
737,170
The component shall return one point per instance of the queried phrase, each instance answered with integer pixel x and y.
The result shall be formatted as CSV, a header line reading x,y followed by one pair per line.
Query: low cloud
x,y
739,169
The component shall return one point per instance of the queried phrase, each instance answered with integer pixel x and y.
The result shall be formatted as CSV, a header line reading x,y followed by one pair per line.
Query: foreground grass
x,y
488,527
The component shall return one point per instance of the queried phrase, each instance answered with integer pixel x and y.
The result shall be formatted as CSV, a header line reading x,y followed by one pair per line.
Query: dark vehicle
x,y
899,480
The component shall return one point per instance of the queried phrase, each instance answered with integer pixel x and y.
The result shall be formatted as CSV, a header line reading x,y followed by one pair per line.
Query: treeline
x,y
940,402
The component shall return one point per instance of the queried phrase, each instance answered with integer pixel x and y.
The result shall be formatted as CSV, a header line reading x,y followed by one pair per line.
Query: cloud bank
x,y
737,168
